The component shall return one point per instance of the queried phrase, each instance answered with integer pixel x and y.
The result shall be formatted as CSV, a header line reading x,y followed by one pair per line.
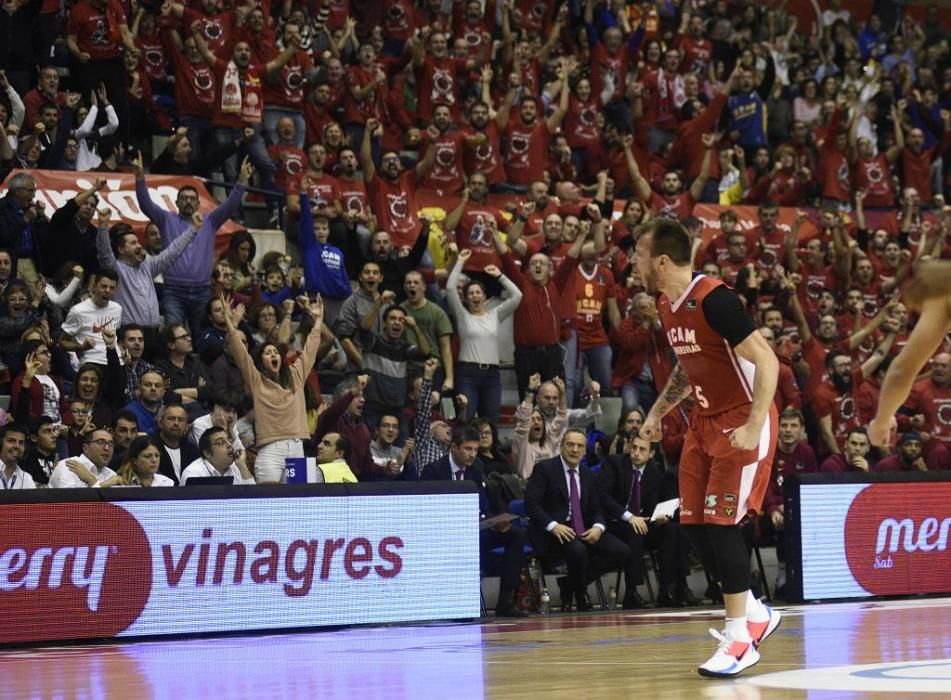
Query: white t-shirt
x,y
86,320
51,398
202,468
203,423
175,454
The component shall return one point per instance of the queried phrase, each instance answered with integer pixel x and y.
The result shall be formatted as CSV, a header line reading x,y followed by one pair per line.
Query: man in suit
x,y
566,520
458,464
631,486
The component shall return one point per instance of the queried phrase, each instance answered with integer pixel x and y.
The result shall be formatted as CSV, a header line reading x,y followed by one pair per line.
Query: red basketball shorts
x,y
720,485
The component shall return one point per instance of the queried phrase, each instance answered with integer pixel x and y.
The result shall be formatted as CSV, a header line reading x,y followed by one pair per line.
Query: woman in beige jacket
x,y
533,439
280,414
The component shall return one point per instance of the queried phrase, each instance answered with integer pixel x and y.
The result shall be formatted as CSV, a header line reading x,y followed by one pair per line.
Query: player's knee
x,y
733,557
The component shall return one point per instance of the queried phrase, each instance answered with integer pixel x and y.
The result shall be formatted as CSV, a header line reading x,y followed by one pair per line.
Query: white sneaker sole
x,y
751,658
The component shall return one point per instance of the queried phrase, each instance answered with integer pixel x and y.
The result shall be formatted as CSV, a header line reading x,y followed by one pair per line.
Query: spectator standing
x,y
429,320
477,368
86,321
537,437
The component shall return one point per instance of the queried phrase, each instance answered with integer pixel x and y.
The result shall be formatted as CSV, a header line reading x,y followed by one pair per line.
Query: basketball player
x,y
728,452
929,291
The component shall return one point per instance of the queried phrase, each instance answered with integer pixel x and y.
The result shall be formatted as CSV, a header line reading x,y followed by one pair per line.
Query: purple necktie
x,y
574,495
459,475
634,502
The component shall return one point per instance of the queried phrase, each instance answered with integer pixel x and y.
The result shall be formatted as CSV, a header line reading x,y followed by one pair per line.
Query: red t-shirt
x,y
934,403
536,14
875,177
556,252
835,176
195,87
436,85
97,31
829,402
154,60
527,155
353,196
485,158
591,293
218,30
338,10
394,205
286,89
316,119
802,460
679,207
446,175
290,162
696,54
605,63
372,106
580,125
769,251
399,19
472,234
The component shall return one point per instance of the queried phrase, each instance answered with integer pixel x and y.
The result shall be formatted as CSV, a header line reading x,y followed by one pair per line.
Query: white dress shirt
x,y
64,478
202,468
18,480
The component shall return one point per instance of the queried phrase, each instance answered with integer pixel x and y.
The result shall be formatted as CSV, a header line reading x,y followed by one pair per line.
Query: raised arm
x,y
641,186
696,189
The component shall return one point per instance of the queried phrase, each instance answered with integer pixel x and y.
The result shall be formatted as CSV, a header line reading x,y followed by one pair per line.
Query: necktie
x,y
634,502
574,495
459,475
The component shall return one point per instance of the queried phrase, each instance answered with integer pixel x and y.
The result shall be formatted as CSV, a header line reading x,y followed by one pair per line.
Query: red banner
x,y
56,187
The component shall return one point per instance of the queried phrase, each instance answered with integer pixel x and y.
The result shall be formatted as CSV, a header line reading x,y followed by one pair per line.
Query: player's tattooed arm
x,y
675,391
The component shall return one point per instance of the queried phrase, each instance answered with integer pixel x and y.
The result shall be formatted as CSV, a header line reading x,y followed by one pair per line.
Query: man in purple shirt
x,y
911,457
188,279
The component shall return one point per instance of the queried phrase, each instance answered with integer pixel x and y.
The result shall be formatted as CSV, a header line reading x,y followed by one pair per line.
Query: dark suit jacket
x,y
614,486
547,499
441,470
189,454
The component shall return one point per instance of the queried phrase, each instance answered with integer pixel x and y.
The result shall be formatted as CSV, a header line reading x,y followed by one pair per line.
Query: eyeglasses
x,y
183,337
220,443
101,442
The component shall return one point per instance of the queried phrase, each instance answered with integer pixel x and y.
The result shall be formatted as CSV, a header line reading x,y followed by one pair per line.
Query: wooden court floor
x,y
888,649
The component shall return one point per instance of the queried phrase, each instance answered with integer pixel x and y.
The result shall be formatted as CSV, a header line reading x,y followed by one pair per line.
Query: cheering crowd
x,y
550,134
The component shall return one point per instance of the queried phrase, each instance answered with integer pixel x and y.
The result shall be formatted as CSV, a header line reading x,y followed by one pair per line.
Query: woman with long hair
x,y
140,465
477,369
280,410
240,255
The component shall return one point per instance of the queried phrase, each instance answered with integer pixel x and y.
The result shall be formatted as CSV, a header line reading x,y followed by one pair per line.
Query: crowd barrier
x,y
861,535
94,563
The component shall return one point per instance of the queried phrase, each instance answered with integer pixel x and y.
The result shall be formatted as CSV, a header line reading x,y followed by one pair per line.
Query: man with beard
x,y
132,344
924,410
911,457
672,202
125,429
537,323
177,453
526,156
854,458
834,401
731,372
12,450
486,158
392,191
71,234
447,174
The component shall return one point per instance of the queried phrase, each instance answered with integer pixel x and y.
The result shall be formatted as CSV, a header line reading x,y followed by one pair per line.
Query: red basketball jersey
x,y
721,379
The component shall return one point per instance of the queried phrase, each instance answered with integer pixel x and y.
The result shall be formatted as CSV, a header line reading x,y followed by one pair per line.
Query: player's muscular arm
x,y
676,390
755,349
